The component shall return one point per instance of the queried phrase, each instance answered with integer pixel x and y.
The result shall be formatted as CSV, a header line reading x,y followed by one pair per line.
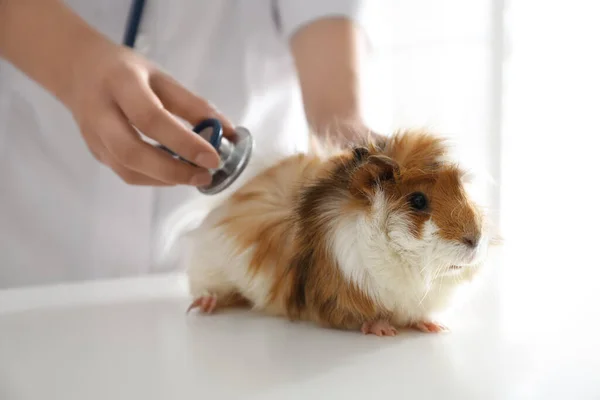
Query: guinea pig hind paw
x,y
206,304
379,328
430,327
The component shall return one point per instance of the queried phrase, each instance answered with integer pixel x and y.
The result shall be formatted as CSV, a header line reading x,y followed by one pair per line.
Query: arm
x,y
43,39
109,89
327,39
327,54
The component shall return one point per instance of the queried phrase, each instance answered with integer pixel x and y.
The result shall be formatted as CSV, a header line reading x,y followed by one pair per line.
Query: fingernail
x,y
200,180
206,160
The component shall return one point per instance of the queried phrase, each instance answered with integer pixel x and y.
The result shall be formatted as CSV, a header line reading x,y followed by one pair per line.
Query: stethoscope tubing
x,y
131,32
133,22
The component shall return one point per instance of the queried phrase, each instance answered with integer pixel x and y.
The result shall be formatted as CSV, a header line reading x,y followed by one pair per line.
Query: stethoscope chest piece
x,y
234,154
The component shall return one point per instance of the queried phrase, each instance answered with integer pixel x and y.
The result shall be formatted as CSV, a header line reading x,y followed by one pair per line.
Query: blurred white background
x,y
517,83
549,193
436,64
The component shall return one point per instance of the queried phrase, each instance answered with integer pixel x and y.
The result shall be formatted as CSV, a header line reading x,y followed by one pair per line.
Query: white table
x,y
131,339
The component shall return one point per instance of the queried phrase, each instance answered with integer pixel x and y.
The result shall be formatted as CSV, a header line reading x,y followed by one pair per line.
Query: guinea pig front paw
x,y
206,304
430,327
379,328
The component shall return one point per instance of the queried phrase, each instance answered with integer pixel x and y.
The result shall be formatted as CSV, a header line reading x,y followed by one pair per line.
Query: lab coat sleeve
x,y
291,15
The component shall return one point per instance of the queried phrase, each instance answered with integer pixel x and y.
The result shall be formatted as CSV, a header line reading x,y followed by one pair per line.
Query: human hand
x,y
327,54
110,90
358,134
347,133
114,90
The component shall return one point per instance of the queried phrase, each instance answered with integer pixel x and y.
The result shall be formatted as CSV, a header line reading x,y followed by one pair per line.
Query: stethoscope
x,y
233,153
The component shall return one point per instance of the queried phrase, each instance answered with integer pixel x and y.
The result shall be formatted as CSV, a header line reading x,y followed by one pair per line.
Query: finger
x,y
143,108
131,152
94,145
132,177
102,155
182,102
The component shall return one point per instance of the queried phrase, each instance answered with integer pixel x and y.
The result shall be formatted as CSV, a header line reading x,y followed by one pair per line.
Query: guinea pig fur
x,y
372,238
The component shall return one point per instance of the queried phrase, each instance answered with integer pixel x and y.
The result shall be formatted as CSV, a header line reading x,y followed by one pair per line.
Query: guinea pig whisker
x,y
429,288
424,296
423,268
456,280
437,272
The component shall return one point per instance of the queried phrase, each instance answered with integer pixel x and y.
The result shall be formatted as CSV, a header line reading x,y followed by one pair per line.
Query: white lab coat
x,y
64,216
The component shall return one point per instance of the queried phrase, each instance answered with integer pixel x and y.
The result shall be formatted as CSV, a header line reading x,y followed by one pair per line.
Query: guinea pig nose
x,y
471,240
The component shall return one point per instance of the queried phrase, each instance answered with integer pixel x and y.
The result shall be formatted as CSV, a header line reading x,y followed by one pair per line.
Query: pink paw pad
x,y
379,328
430,327
206,304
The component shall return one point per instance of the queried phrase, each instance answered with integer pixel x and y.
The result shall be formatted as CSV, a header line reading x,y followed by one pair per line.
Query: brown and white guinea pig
x,y
372,238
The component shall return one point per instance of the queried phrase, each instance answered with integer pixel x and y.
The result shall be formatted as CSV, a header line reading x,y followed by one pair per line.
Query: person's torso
x,y
66,217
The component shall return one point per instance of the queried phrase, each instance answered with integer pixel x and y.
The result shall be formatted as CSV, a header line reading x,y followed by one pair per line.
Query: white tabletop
x,y
131,339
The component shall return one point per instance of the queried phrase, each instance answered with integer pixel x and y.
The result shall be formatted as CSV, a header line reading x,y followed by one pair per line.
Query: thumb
x,y
185,104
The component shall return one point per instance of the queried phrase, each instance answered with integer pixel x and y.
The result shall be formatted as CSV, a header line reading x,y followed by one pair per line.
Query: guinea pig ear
x,y
360,153
376,171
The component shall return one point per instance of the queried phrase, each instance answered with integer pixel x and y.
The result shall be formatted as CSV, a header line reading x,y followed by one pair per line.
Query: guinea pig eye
x,y
418,201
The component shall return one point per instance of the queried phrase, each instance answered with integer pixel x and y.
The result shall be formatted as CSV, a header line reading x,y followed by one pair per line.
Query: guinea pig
x,y
372,238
